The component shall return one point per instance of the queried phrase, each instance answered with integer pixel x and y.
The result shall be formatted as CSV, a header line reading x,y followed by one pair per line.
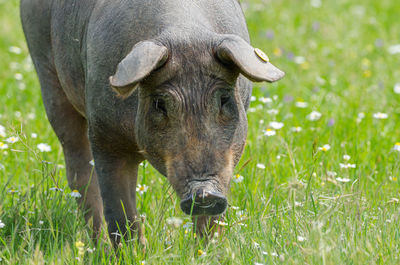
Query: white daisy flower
x,y
2,224
325,147
301,238
269,132
260,166
296,129
44,147
18,76
174,221
91,162
394,49
220,223
276,125
2,131
237,178
253,98
344,180
301,104
397,147
360,117
299,59
380,116
314,116
12,139
75,194
14,49
265,100
3,145
396,88
346,157
34,135
347,165
141,189
272,111
331,174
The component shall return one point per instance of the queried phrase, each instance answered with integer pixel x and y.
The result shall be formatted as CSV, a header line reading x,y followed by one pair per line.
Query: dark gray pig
x,y
161,80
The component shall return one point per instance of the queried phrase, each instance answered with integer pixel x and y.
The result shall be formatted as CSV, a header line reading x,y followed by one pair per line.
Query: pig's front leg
x,y
117,179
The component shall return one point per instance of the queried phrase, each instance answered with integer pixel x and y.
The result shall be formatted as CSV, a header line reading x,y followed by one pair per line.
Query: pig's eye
x,y
224,99
159,105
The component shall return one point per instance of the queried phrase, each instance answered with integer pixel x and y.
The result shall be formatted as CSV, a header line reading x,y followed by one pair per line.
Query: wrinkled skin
x,y
125,81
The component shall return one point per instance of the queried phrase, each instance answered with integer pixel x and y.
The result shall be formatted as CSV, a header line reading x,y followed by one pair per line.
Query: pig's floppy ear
x,y
144,57
252,63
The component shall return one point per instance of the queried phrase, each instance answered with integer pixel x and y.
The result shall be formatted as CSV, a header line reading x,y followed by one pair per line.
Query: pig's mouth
x,y
204,202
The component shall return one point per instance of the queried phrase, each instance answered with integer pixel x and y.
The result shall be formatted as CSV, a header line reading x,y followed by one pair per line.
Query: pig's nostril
x,y
204,203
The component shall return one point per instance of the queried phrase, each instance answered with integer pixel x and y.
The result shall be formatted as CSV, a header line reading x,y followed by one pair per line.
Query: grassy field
x,y
323,189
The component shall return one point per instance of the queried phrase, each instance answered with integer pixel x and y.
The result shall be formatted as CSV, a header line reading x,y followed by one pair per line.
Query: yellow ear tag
x,y
261,55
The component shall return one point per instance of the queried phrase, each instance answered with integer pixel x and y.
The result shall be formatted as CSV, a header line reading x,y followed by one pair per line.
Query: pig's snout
x,y
204,202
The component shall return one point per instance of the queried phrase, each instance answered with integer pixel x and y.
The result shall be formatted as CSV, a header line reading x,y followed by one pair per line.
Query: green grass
x,y
295,210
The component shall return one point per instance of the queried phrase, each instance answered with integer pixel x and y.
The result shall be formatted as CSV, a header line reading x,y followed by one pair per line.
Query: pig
x,y
167,81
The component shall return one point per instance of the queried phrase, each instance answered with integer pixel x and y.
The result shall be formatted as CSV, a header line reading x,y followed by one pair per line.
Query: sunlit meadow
x,y
319,179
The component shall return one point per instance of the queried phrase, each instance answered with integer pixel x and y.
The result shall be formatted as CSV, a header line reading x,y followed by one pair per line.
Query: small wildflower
x,y
346,157
14,49
253,98
2,224
301,238
12,139
314,116
237,178
2,167
360,117
277,52
174,221
301,104
91,162
141,189
90,250
75,194
265,100
316,3
393,178
269,132
143,262
396,88
272,111
299,59
44,147
257,263
220,223
12,191
397,147
331,174
41,222
260,166
296,129
33,135
201,253
3,145
276,125
394,49
380,116
325,147
344,180
2,131
347,165
18,76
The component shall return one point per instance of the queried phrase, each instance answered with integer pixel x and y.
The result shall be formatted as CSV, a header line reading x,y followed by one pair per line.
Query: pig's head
x,y
191,123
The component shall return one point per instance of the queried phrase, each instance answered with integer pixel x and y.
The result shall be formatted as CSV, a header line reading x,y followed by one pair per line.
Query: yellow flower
x,y
278,52
200,252
367,73
79,244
